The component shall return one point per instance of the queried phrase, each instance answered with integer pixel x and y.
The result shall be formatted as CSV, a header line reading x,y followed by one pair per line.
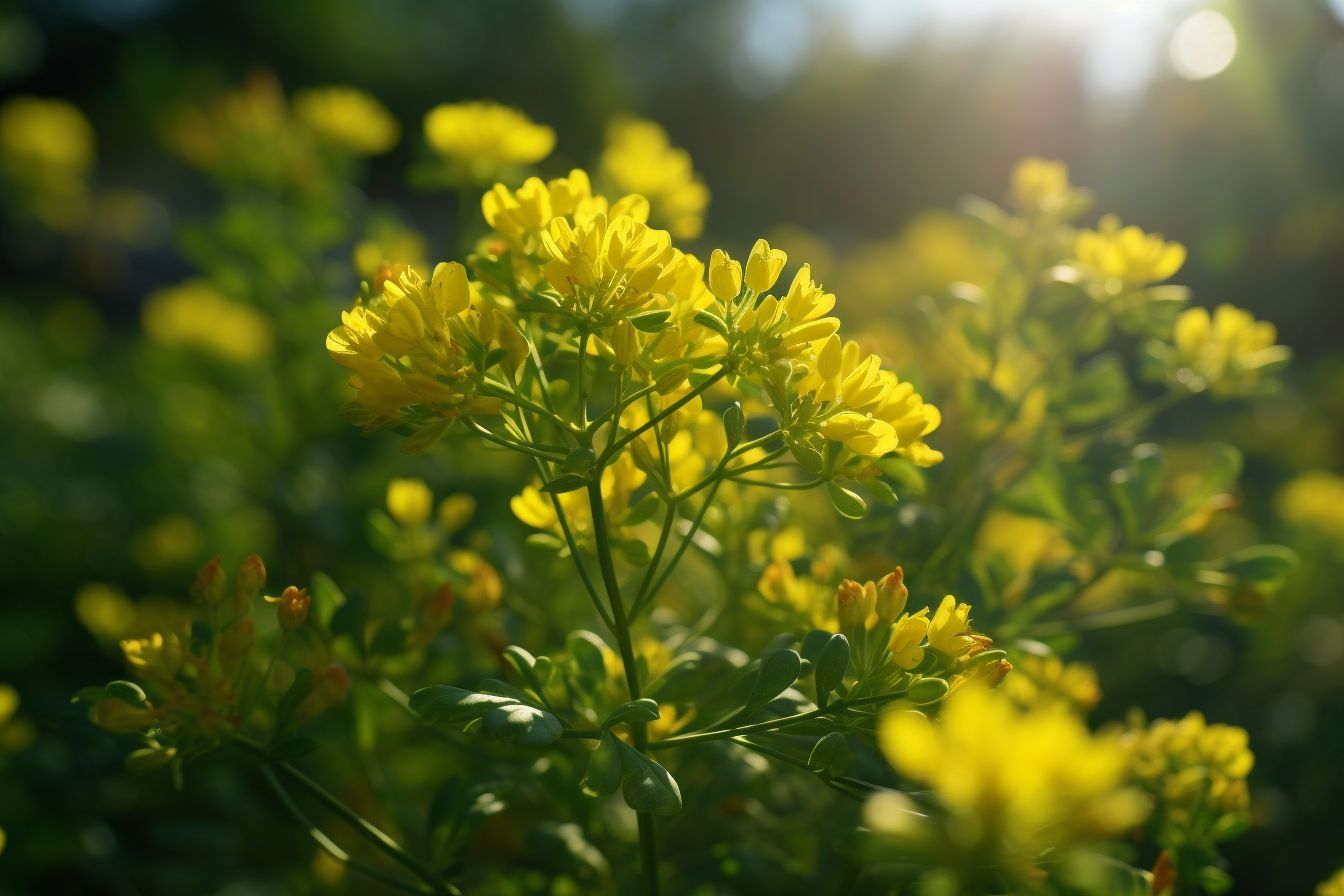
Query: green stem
x,y
671,409
330,846
648,835
773,724
359,823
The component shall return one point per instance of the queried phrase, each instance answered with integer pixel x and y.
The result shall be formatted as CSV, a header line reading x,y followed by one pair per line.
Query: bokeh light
x,y
1203,45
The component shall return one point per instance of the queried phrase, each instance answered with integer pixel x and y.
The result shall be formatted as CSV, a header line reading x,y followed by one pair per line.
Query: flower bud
x,y
409,501
332,683
247,587
764,265
455,510
210,584
292,608
854,603
725,276
149,759
625,343
891,595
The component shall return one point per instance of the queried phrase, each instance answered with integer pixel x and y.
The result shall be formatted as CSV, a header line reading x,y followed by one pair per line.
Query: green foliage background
x,y
1244,168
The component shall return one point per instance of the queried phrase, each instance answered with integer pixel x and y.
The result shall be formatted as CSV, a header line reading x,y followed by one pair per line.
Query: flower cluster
x,y
196,681
46,153
1228,353
639,158
480,141
1041,780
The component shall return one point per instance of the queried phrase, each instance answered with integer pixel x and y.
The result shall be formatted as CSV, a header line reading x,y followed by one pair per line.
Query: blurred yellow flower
x,y
639,158
1036,777
1191,766
1228,352
1334,886
409,501
46,152
104,611
196,315
347,118
1127,254
174,539
1041,680
483,139
1314,500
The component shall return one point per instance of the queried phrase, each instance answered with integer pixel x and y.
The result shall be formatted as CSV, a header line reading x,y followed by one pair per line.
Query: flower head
x,y
347,118
1228,352
639,158
482,140
1127,254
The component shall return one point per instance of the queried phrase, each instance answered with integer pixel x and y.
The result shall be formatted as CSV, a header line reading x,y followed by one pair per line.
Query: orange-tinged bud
x,y
247,586
891,595
332,683
292,608
210,584
854,603
439,608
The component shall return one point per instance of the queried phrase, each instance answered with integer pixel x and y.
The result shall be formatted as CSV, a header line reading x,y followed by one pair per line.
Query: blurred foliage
x,y
188,204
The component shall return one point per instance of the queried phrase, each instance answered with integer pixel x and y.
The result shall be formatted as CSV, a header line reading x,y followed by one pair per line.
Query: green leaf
x,y
605,767
734,424
646,785
831,665
1097,391
641,710
525,726
580,460
846,503
525,664
712,321
650,321
127,692
349,620
566,482
1262,563
327,597
587,653
831,755
445,703
778,672
634,551
813,641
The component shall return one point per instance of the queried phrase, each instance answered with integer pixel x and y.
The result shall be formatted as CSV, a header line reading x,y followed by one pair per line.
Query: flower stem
x,y
648,835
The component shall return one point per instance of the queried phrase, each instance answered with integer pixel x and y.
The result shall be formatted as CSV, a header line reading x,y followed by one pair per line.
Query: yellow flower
x,y
1314,500
483,139
1334,886
1038,680
725,276
620,480
906,642
455,510
1034,777
484,588
195,315
639,158
347,118
46,151
1228,352
950,629
157,656
409,501
764,265
608,268
106,612
1191,766
1040,186
418,344
1127,254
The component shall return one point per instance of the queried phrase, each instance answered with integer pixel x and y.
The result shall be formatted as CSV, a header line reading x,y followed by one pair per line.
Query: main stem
x,y
648,836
